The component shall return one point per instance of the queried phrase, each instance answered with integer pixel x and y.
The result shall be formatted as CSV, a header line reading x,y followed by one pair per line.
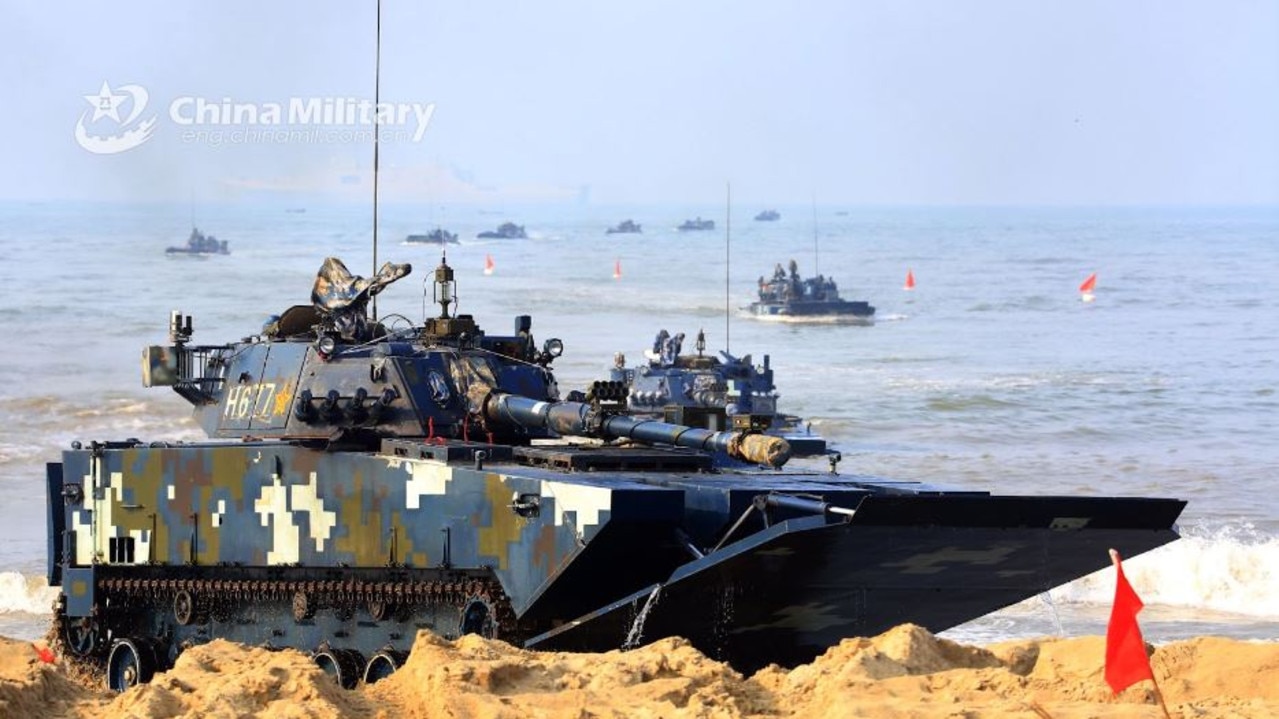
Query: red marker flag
x,y
45,653
1126,660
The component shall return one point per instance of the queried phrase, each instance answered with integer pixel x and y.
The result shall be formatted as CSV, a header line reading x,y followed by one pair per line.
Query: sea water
x,y
991,374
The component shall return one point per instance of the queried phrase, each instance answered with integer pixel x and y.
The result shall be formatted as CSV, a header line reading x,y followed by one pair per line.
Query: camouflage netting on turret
x,y
341,296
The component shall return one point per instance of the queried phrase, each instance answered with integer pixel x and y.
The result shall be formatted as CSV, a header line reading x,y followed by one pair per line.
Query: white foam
x,y
22,593
1231,569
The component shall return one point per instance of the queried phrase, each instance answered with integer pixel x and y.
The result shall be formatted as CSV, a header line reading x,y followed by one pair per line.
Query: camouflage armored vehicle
x,y
706,391
364,481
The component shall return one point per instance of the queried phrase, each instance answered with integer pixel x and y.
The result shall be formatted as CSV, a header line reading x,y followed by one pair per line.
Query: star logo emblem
x,y
131,131
105,103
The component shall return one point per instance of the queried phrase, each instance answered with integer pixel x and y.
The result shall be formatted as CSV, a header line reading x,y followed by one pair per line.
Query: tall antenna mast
x,y
728,233
377,97
817,264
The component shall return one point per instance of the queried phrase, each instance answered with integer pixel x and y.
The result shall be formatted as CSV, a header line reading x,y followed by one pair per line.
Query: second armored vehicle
x,y
706,391
438,236
505,231
696,225
625,227
788,297
200,244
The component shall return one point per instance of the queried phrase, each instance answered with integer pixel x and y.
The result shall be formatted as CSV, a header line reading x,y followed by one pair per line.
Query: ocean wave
x,y
1229,568
972,402
115,408
919,359
1029,303
33,405
38,425
23,593
19,453
1043,261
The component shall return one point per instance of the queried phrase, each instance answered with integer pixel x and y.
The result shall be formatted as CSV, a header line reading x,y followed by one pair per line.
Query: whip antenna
x,y
728,232
377,89
817,258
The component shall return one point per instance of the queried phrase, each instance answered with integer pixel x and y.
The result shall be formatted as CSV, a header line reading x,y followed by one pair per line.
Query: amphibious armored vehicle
x,y
625,227
438,236
706,391
200,244
505,231
790,298
365,480
696,225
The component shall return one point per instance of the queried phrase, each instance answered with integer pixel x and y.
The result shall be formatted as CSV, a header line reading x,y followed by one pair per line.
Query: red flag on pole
x,y
44,653
1126,659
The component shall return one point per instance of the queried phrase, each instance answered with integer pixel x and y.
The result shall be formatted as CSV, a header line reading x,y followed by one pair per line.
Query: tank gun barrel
x,y
582,419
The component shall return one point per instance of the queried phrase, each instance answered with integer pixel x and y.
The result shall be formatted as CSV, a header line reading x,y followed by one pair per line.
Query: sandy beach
x,y
905,672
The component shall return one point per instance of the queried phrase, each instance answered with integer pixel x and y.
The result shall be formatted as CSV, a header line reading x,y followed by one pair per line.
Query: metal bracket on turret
x,y
750,422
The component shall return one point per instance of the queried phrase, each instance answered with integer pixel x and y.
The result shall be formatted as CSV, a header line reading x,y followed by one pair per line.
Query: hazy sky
x,y
1015,102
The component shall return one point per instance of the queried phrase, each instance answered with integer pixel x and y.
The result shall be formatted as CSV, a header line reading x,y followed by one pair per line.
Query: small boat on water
x,y
696,225
438,236
200,244
504,231
787,297
627,227
768,216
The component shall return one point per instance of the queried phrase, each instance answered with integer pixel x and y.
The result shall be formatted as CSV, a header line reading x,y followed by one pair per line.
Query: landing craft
x,y
365,482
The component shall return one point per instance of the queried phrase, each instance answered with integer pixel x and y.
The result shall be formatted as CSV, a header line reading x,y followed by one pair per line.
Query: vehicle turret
x,y
327,372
